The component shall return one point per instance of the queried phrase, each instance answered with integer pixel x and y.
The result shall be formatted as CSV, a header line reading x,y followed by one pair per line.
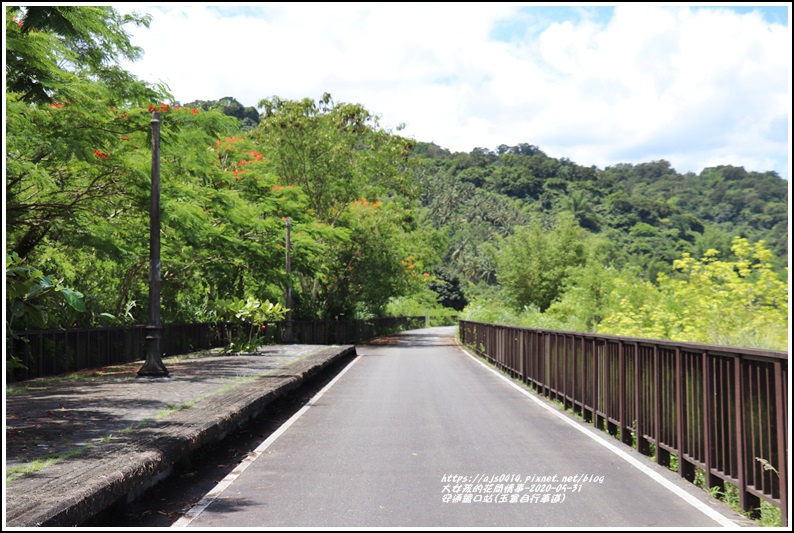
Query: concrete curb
x,y
72,492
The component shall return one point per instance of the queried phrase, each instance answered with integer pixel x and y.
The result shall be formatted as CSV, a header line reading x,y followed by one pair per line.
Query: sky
x,y
597,84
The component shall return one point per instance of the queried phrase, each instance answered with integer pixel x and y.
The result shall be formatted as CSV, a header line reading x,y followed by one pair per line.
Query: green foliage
x,y
739,303
27,292
649,213
448,290
424,303
534,262
356,242
26,288
336,152
494,312
255,314
585,299
248,117
49,48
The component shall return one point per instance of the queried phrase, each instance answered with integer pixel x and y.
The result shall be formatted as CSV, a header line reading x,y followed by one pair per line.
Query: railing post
x,y
711,479
782,432
595,385
625,434
522,355
747,501
662,456
564,386
643,446
612,428
685,469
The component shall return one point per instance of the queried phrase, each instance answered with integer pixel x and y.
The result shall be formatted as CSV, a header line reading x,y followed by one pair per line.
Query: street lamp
x,y
154,367
288,298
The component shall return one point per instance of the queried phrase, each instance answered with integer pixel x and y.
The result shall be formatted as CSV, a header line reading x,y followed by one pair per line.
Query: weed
x,y
700,478
770,515
16,389
41,463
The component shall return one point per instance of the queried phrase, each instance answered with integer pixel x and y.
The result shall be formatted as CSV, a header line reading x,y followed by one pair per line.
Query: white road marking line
x,y
666,483
226,482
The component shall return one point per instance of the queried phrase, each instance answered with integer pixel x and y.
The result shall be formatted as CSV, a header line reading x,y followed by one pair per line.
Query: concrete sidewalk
x,y
75,446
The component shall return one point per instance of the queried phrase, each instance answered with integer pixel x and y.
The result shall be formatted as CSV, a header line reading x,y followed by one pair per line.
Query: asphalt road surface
x,y
417,433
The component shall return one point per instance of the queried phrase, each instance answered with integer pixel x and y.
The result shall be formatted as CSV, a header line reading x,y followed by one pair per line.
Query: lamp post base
x,y
154,366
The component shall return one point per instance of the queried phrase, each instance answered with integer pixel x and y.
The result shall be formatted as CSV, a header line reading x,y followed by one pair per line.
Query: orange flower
x,y
194,112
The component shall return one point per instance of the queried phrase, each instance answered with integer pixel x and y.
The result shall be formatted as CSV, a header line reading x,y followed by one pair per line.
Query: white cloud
x,y
695,87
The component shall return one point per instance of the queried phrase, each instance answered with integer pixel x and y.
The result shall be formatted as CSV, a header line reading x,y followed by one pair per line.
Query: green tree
x,y
336,152
356,180
739,303
535,261
248,117
49,48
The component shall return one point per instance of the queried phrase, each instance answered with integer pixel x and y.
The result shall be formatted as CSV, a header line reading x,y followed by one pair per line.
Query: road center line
x,y
226,482
666,483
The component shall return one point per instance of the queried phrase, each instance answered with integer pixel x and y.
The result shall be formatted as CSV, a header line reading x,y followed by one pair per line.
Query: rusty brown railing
x,y
719,409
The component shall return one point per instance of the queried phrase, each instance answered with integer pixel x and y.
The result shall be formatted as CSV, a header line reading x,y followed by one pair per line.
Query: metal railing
x,y
57,351
719,409
53,352
344,331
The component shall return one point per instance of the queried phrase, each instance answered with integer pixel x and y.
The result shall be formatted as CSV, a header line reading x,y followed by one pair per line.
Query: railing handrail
x,y
693,346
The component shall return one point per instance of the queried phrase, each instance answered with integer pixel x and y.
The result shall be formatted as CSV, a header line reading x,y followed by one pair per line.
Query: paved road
x,y
382,447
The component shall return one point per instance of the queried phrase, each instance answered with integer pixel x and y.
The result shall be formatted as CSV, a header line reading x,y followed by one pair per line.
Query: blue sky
x,y
600,85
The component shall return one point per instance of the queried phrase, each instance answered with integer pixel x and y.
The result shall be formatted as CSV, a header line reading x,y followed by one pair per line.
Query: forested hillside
x,y
380,223
649,213
630,249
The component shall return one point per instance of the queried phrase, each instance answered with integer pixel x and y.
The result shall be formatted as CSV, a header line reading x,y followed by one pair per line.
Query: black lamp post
x,y
154,367
288,298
